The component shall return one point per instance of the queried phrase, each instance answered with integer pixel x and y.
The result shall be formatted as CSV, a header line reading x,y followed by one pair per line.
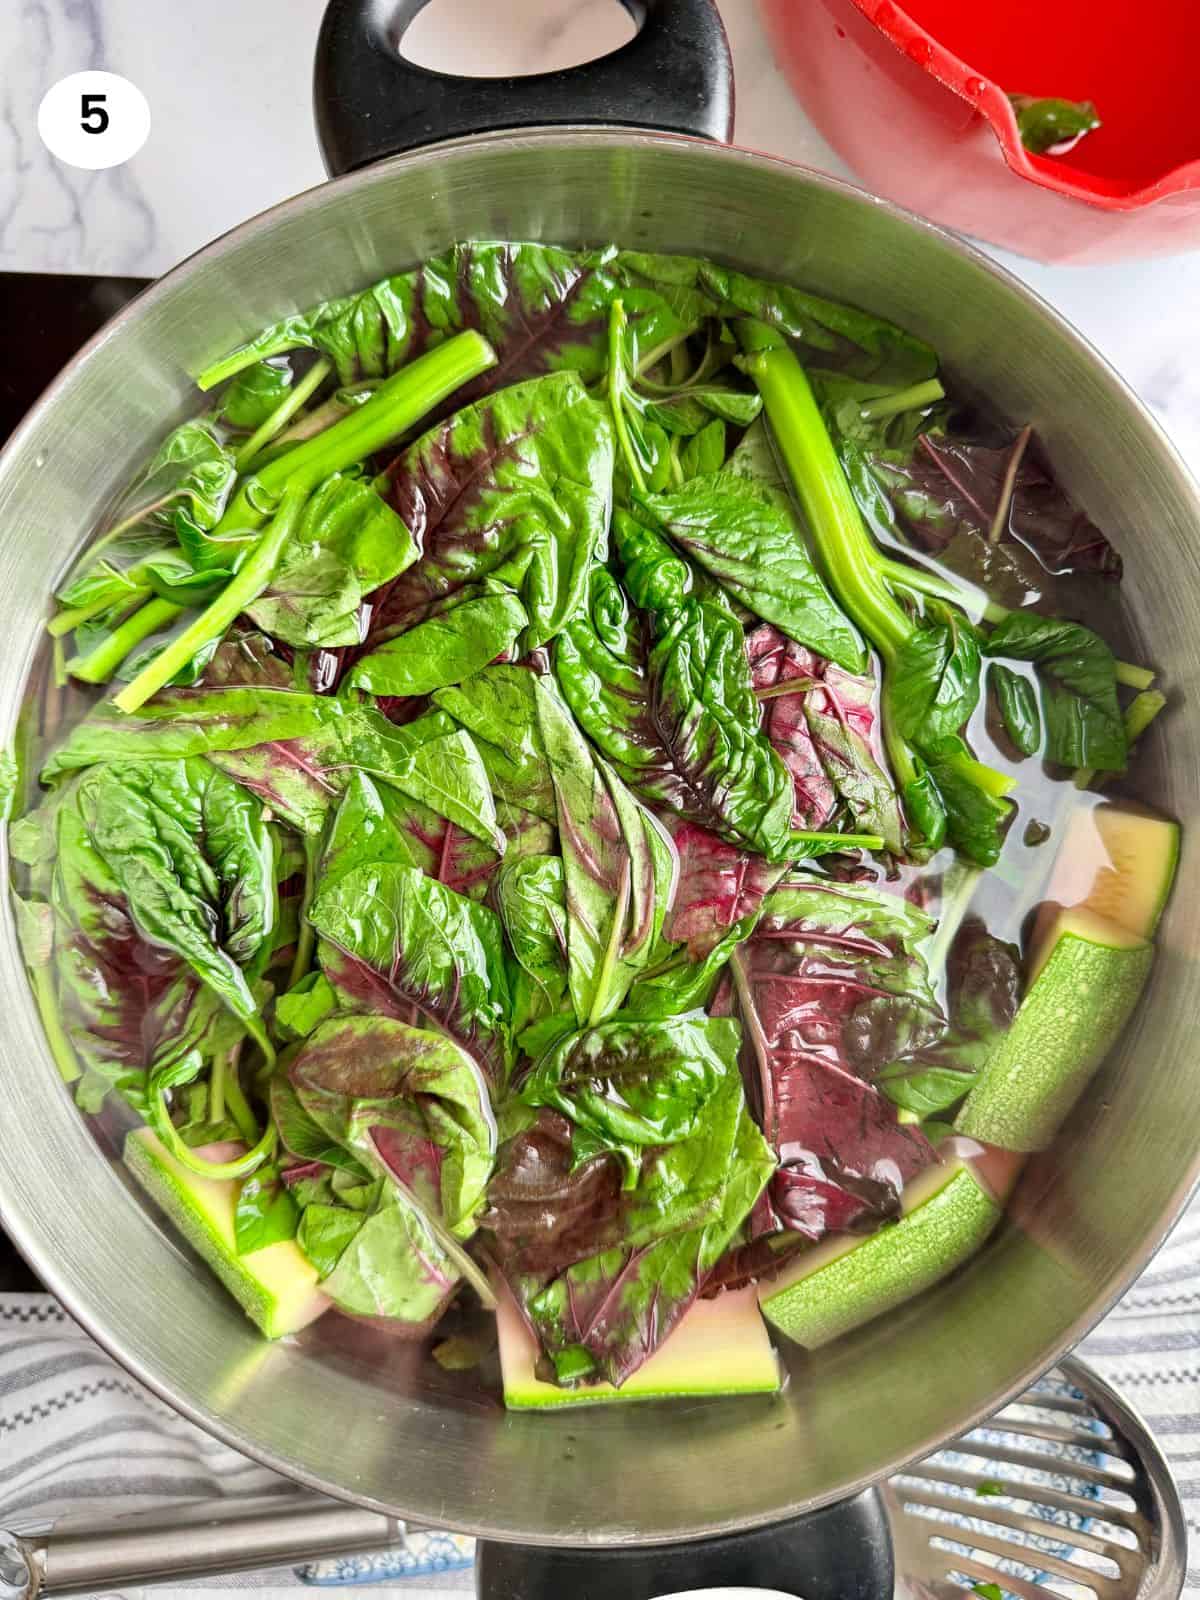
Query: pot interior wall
x,y
367,1417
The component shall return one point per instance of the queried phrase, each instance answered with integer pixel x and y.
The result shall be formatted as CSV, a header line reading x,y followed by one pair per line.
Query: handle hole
x,y
513,38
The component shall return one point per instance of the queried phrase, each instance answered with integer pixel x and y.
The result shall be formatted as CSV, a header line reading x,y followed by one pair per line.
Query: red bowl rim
x,y
901,31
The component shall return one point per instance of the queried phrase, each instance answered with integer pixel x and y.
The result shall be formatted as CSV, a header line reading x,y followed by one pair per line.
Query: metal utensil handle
x,y
370,102
202,1539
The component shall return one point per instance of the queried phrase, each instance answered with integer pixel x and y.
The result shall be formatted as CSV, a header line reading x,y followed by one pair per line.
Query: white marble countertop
x,y
229,88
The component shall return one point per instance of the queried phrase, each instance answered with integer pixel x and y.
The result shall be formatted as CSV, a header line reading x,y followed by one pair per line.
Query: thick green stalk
x,y
328,412
242,590
1141,712
1134,677
398,403
851,561
103,661
283,412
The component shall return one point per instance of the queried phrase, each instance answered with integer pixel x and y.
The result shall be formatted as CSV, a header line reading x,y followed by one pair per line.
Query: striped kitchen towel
x,y
78,1436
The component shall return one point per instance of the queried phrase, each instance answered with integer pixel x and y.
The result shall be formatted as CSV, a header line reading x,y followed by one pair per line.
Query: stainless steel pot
x,y
371,1420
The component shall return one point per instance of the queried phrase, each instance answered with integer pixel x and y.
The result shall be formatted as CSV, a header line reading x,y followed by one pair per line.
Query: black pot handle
x,y
370,102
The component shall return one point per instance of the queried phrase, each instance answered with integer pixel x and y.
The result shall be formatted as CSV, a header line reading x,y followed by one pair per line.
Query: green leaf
x,y
689,409
749,541
513,491
623,1244
1018,708
1077,675
545,308
1052,126
192,854
387,1263
444,650
934,684
255,393
542,307
869,346
975,820
299,1011
347,543
686,985
192,722
364,829
531,897
409,1103
448,776
191,473
704,453
669,701
264,1213
297,752
498,707
304,1138
394,943
165,909
618,867
324,1233
635,1082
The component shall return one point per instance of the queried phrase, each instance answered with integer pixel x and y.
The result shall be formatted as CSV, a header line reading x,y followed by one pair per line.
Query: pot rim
x,y
28,1230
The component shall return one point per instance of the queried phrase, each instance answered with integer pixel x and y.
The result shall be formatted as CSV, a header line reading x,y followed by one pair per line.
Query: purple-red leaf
x,y
817,954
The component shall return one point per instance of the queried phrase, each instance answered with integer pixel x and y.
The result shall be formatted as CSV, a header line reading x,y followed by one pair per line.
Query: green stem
x,y
851,561
1141,712
911,399
241,1167
216,1088
103,661
843,841
306,937
52,1025
1134,677
283,412
61,677
67,621
327,413
398,403
237,1104
131,521
1004,504
956,898
242,590
616,394
919,580
668,347
996,785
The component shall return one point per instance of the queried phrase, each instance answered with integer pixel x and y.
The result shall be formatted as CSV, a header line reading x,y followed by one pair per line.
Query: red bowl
x,y
916,102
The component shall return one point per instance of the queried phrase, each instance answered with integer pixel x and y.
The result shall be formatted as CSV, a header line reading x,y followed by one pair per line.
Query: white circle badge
x,y
94,119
